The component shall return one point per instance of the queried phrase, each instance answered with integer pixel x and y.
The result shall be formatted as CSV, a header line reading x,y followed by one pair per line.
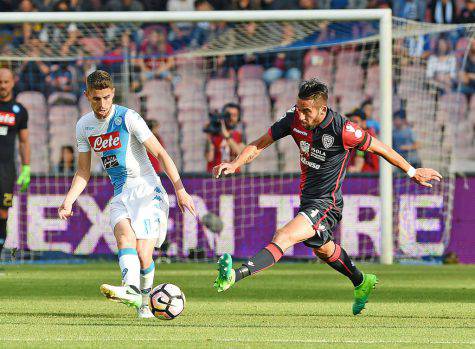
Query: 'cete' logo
x,y
105,142
7,119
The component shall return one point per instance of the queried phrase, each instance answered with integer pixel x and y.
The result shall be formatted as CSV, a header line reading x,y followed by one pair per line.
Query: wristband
x,y
411,172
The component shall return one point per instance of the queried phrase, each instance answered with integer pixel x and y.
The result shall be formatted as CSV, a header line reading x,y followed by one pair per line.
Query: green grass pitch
x,y
287,306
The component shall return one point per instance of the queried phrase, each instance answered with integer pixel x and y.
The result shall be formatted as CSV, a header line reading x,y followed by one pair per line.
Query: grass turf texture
x,y
288,306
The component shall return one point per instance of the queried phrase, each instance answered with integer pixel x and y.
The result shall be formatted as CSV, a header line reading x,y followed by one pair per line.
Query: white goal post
x,y
385,60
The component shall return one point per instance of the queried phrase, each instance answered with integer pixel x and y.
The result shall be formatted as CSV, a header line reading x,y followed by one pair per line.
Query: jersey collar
x,y
327,120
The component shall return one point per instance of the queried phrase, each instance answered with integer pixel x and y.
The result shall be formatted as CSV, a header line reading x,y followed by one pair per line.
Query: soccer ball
x,y
166,301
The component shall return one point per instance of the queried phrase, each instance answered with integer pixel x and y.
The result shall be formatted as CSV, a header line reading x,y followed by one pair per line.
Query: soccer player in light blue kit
x,y
139,208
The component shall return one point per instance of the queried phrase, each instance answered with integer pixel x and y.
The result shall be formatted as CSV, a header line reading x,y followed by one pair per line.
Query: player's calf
x,y
269,255
146,282
147,266
264,259
129,267
227,276
293,232
3,233
3,227
337,258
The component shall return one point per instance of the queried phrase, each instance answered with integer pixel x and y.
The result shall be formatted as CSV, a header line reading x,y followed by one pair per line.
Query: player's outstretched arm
x,y
247,155
184,199
24,147
80,180
421,176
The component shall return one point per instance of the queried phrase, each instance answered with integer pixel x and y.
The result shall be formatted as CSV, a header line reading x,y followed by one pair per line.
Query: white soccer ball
x,y
166,301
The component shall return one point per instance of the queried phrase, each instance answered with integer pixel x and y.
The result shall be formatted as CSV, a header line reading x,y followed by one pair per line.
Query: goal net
x,y
181,75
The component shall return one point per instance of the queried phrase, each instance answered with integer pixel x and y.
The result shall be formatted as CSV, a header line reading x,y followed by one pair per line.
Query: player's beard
x,y
309,127
5,94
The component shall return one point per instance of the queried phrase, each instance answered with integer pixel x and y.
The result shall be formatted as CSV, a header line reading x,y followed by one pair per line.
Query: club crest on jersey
x,y
7,118
105,142
118,121
304,147
327,141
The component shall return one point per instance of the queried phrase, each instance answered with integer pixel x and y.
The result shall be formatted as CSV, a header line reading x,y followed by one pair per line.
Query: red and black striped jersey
x,y
324,151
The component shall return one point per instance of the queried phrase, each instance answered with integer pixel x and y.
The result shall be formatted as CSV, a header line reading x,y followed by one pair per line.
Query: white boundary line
x,y
238,340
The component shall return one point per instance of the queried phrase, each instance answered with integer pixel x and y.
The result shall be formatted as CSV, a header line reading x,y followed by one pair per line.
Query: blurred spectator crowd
x,y
435,11
183,94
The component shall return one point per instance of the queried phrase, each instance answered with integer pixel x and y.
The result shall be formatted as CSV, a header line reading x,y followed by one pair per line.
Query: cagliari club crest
x,y
327,141
304,147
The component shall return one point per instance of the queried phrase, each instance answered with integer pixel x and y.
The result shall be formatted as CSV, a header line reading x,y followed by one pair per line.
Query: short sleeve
x,y
137,126
354,136
24,119
82,143
282,127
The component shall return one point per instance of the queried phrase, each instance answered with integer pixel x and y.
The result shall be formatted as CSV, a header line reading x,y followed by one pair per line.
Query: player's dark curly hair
x,y
313,89
99,80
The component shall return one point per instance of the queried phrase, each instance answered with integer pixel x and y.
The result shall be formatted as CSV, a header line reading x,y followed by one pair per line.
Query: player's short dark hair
x,y
99,80
313,89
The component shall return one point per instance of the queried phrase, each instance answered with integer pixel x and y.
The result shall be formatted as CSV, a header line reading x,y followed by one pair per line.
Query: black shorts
x,y
7,182
324,215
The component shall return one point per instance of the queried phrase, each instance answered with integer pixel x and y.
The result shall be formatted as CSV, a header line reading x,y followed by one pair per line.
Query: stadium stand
x,y
182,98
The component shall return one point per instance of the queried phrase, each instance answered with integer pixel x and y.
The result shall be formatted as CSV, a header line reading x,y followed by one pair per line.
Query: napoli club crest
x,y
327,141
304,147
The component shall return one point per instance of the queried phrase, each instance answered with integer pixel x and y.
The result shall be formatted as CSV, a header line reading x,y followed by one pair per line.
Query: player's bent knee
x,y
3,214
145,258
124,235
284,239
124,241
325,251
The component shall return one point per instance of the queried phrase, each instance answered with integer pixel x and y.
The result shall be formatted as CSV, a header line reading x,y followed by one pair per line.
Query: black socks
x,y
3,233
264,259
269,255
341,262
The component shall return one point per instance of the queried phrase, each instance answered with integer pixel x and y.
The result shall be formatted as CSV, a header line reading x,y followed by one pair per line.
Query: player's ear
x,y
323,110
113,92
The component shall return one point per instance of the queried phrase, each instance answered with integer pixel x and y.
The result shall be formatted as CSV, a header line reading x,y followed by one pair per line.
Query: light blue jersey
x,y
118,140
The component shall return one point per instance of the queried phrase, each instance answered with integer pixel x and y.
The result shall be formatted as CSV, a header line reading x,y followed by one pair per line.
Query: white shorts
x,y
147,208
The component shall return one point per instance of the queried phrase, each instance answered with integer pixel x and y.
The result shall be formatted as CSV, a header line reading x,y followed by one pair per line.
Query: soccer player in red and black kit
x,y
13,121
326,139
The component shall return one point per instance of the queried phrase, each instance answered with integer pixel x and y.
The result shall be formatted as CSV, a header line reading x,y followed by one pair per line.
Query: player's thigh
x,y
124,234
145,249
298,229
7,182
